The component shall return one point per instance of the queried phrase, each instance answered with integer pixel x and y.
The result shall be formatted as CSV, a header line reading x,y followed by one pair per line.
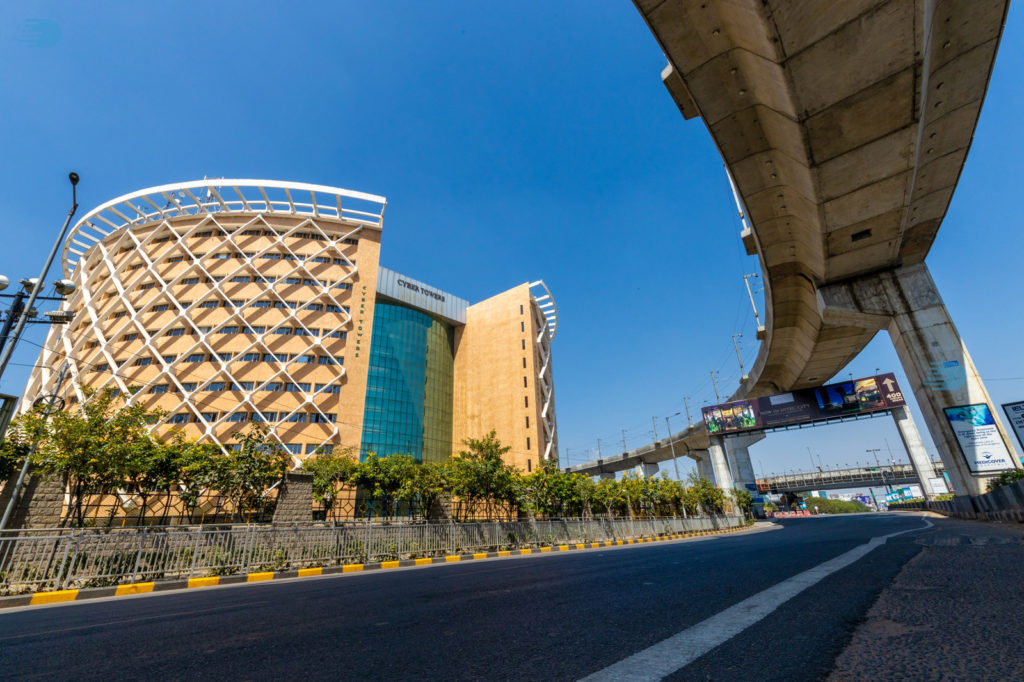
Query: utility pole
x,y
686,406
624,448
654,425
743,372
750,293
51,400
599,448
715,384
672,445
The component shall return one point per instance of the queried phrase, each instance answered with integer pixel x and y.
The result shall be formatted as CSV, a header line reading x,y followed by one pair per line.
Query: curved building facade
x,y
224,302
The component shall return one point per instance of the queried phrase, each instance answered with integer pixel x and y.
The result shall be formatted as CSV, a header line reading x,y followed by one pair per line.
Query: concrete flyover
x,y
845,127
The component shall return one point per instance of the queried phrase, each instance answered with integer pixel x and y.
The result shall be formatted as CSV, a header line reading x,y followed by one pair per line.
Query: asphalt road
x,y
552,616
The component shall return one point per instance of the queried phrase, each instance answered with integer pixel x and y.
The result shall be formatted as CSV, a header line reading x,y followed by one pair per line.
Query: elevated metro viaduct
x,y
845,127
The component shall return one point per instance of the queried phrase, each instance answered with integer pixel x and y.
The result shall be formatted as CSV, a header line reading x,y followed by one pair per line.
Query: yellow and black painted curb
x,y
57,596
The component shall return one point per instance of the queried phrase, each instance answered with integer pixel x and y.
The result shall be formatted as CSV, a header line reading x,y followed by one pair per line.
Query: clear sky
x,y
514,141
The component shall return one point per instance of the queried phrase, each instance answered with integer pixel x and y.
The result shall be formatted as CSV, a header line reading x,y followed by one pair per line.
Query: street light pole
x,y
39,283
35,443
715,384
686,406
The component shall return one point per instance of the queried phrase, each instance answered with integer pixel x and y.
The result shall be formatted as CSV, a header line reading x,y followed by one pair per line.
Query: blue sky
x,y
514,141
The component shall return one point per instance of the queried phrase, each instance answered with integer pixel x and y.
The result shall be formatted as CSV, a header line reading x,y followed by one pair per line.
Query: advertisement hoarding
x,y
1015,413
980,442
846,398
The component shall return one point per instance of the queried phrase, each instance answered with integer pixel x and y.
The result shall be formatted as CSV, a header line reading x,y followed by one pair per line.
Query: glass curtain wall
x,y
409,388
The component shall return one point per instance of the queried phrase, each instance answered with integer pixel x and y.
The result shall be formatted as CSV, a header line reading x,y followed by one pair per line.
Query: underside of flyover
x,y
845,127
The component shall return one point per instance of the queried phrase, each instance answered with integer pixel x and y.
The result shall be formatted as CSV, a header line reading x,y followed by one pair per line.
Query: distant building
x,y
231,301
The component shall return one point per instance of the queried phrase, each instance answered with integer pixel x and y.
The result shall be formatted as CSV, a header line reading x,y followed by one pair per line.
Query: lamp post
x,y
34,286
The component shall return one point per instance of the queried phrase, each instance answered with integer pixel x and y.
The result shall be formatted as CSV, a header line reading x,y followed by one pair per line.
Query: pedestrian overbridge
x,y
845,127
837,479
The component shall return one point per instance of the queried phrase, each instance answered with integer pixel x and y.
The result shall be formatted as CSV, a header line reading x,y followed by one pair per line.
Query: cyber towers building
x,y
223,302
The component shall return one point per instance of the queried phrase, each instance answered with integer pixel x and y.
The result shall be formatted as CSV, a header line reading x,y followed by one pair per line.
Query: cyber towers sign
x,y
805,406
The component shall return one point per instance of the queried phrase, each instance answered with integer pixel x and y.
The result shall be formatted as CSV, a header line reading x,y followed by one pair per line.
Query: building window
x,y
275,357
178,331
527,442
520,310
190,280
196,357
209,304
170,358
524,363
142,362
526,401
208,417
293,448
317,418
238,417
522,327
261,304
524,382
265,417
306,360
272,386
161,308
313,448
529,466
297,418
350,240
159,388
180,418
214,386
524,343
250,357
241,279
527,421
188,385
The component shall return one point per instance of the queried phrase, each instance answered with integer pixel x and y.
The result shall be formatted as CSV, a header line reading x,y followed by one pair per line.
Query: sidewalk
x,y
955,611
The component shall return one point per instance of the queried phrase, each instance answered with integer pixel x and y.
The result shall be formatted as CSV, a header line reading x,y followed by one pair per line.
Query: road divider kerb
x,y
58,596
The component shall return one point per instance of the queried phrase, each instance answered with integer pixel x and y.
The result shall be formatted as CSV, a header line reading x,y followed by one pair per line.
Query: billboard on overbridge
x,y
805,406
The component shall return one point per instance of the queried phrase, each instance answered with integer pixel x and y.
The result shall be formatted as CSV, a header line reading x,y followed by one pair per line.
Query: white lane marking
x,y
669,655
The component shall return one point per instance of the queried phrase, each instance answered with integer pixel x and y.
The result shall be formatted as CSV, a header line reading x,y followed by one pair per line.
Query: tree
x,y
197,468
382,479
330,471
744,500
709,498
245,474
94,450
479,475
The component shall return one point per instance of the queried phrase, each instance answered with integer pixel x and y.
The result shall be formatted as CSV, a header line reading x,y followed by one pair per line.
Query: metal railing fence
x,y
36,560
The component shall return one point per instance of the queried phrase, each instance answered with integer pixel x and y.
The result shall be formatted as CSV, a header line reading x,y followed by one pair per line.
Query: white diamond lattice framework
x,y
136,257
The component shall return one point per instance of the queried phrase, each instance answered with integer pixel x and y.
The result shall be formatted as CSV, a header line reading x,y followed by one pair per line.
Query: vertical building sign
x,y
1015,413
980,442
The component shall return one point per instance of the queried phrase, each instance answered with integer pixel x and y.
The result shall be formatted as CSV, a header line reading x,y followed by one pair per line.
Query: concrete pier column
x,y
738,451
919,459
703,460
720,464
906,303
607,474
647,469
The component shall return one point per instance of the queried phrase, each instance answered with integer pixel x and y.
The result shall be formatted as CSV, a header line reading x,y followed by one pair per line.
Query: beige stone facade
x,y
498,365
